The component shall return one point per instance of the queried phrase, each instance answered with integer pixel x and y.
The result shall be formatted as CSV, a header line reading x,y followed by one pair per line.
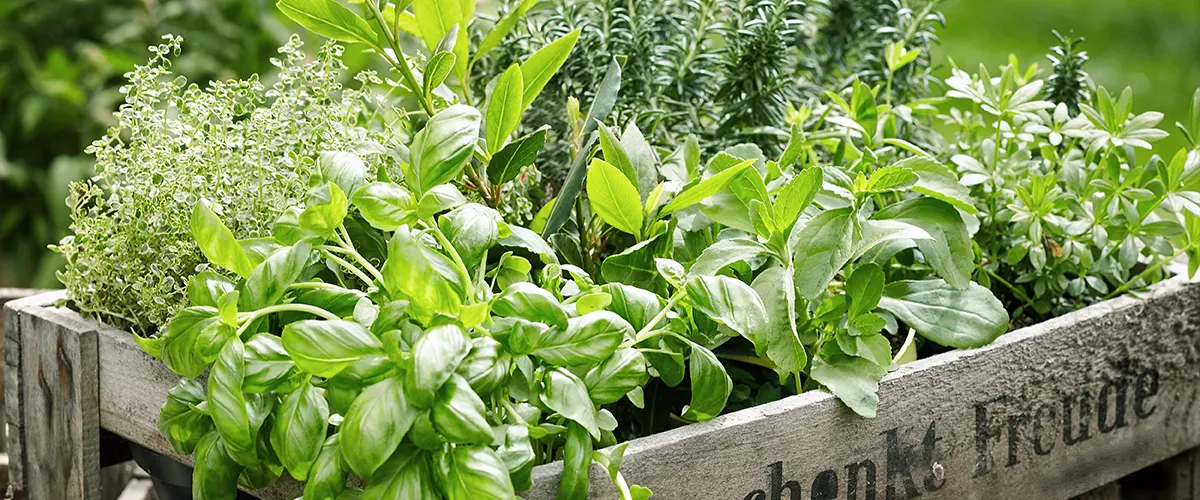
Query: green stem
x,y
400,62
1125,287
1016,291
349,267
459,266
644,333
346,244
752,360
250,317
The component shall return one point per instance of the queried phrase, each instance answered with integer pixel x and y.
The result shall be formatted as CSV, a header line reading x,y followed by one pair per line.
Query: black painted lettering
x,y
899,467
1046,412
1146,388
936,478
1118,387
1085,412
777,484
756,495
869,483
984,435
1015,423
825,486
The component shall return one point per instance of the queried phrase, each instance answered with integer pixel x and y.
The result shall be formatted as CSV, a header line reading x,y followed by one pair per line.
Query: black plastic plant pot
x,y
172,480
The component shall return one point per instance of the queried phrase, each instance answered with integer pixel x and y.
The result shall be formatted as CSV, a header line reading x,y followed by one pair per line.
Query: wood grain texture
x,y
1048,412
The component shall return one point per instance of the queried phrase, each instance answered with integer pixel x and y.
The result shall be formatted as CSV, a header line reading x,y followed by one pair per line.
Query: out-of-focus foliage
x,y
727,71
60,73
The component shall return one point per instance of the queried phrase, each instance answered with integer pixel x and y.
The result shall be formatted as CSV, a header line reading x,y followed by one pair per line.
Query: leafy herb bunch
x,y
1072,213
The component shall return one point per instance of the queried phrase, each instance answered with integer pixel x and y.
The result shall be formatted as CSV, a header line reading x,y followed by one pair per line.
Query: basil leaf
x,y
441,149
710,385
953,318
411,272
375,424
564,393
622,372
236,415
330,20
459,415
325,209
530,240
530,302
435,356
474,473
486,367
783,345
587,339
439,199
343,168
504,112
950,251
472,229
508,162
633,304
216,241
853,380
577,464
214,473
614,198
405,475
195,335
384,205
179,421
268,282
267,365
541,66
267,470
300,427
827,244
729,302
326,347
517,454
327,476
206,287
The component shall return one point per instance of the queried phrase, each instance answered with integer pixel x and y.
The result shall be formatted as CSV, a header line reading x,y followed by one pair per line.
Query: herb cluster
x,y
383,324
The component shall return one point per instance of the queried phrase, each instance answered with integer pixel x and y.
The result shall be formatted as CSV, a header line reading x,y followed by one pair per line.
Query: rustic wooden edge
x,y
975,431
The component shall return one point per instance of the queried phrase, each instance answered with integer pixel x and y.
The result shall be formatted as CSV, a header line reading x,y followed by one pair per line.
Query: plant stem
x,y
644,333
1125,287
459,266
250,317
400,62
349,267
753,360
1016,291
344,241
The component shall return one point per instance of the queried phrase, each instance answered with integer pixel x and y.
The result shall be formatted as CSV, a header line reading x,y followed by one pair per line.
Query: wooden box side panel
x,y
1050,411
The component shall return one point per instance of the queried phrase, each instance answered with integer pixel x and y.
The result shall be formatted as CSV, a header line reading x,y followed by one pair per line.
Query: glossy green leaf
x,y
508,162
206,287
729,302
343,168
195,335
504,110
435,18
796,196
325,347
530,302
954,318
935,180
705,188
635,305
375,424
577,464
782,341
435,355
179,421
269,280
441,149
216,241
405,475
385,206
326,208
329,19
436,70
614,198
459,415
475,473
864,288
710,385
502,28
214,474
949,252
641,158
236,415
472,229
299,431
565,394
441,198
327,476
541,66
726,252
411,272
486,366
268,367
623,371
587,339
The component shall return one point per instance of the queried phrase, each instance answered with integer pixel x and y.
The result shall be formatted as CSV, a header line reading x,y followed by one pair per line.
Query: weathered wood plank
x,y
1046,412
60,413
1049,412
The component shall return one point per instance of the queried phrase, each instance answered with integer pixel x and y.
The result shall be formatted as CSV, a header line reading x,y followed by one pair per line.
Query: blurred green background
x,y
61,64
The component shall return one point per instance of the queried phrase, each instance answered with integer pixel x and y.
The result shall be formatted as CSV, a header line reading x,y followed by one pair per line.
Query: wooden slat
x,y
978,424
59,420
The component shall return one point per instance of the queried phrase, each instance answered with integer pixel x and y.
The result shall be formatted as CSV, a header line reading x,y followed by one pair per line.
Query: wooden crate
x,y
1047,412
